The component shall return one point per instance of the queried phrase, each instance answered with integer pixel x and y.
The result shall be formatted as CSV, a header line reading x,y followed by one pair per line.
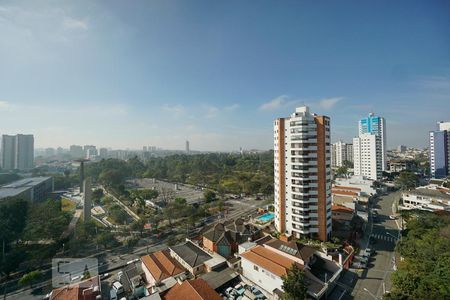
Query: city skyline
x,y
117,76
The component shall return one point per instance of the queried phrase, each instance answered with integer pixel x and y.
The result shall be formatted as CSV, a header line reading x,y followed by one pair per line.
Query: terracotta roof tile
x,y
197,289
161,265
269,260
341,209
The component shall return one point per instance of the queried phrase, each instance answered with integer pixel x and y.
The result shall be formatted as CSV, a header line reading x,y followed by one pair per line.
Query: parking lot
x,y
191,194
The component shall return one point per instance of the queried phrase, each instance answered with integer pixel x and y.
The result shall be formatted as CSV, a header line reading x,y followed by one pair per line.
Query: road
x,y
374,281
117,258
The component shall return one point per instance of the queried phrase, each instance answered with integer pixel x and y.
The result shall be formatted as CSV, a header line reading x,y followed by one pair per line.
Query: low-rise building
x,y
89,289
266,264
224,238
161,271
34,189
426,198
190,256
342,213
196,289
398,165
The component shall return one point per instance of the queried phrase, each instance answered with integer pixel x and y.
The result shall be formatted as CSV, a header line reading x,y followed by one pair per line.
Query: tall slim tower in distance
x,y
375,125
187,147
17,152
302,175
440,151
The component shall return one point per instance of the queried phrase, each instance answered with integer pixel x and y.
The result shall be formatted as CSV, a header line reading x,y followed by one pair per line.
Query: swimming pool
x,y
266,217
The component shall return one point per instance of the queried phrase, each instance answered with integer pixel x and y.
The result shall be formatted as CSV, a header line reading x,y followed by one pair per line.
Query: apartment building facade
x,y
377,126
440,151
17,152
341,152
367,153
302,175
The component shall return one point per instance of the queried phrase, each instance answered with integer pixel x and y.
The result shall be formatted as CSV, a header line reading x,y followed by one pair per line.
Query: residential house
x,y
196,289
265,264
224,238
161,270
342,213
89,289
190,256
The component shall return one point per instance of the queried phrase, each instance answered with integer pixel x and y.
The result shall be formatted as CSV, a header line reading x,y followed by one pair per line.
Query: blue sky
x,y
124,74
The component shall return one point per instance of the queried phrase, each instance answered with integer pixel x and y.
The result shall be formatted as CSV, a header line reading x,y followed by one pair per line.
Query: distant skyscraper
x,y
76,151
145,149
375,125
87,200
367,156
90,151
187,147
401,148
18,152
302,175
341,152
103,153
440,151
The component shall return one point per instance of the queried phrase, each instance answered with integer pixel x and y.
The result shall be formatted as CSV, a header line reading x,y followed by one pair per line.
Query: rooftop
x,y
346,193
269,260
293,248
339,208
76,291
349,188
191,254
197,289
429,193
17,187
161,265
218,278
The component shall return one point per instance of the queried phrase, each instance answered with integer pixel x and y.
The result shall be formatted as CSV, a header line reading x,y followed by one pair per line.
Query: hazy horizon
x,y
217,74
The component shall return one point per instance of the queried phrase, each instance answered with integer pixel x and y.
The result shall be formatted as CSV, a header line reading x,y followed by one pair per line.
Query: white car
x,y
392,217
118,287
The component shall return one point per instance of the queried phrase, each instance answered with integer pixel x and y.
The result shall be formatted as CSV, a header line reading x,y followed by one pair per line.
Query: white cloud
x,y
329,103
232,107
71,23
211,112
174,109
274,103
4,105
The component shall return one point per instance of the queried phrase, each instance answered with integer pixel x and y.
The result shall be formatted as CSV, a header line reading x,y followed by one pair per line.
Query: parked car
x,y
104,276
118,287
120,275
392,217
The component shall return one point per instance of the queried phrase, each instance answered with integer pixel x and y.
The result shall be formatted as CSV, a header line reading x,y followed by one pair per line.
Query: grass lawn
x,y
67,205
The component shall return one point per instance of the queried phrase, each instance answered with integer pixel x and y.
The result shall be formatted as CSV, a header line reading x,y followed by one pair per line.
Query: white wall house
x,y
426,199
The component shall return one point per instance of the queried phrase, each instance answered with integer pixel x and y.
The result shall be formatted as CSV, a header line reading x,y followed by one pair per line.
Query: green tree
x,y
138,225
294,284
118,215
341,171
106,239
407,180
30,278
210,196
425,248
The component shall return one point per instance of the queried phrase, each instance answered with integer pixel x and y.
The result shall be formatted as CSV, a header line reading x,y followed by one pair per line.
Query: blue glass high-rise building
x,y
377,126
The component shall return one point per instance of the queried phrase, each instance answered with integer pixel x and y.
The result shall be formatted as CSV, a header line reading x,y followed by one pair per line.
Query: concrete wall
x,y
261,277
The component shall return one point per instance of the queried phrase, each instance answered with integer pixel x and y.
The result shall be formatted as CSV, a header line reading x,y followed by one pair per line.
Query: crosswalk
x,y
383,237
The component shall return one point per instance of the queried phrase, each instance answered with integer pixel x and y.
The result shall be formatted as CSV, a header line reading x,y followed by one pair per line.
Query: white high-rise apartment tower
x,y
341,152
375,125
367,156
302,175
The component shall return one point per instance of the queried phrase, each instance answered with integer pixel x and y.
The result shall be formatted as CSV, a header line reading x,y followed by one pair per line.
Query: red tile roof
x,y
269,260
78,291
161,265
340,208
197,289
